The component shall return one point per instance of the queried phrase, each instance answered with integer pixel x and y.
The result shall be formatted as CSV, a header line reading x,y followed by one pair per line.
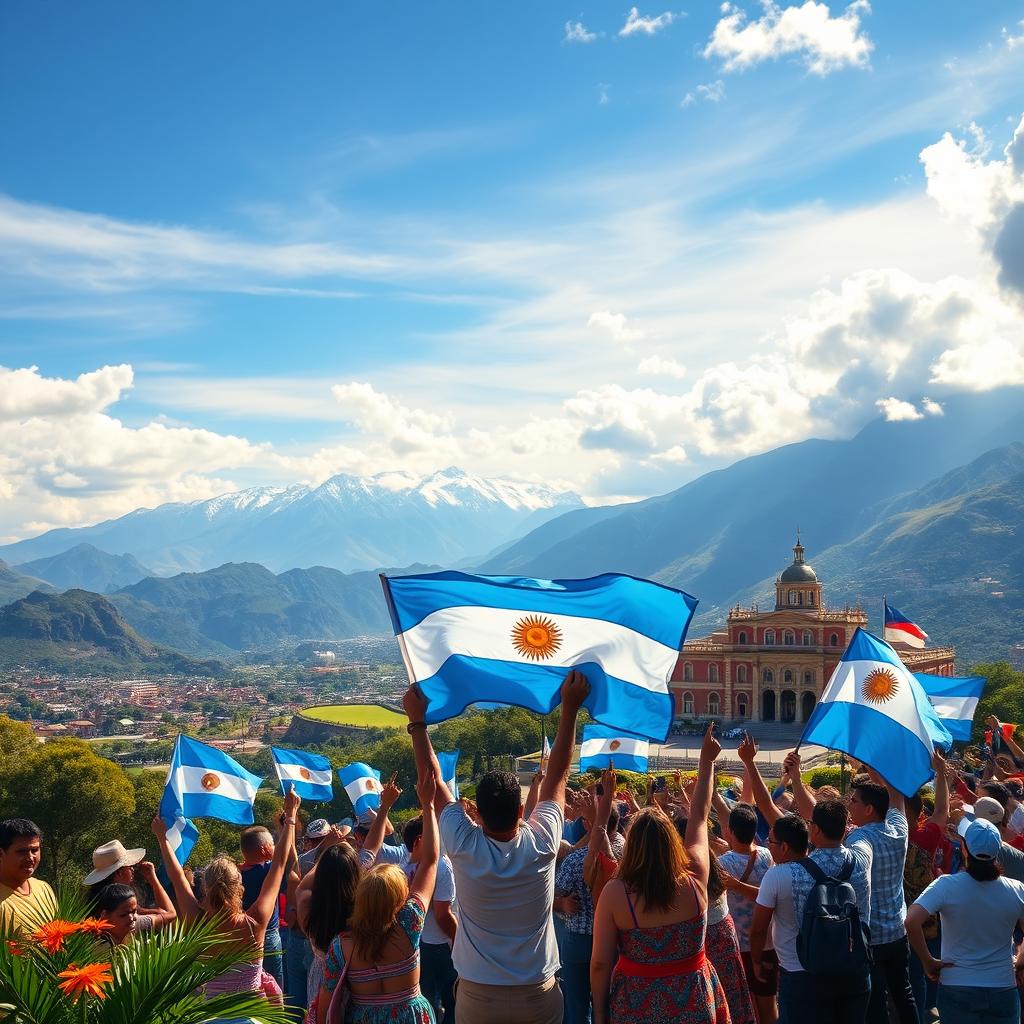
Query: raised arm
x,y
164,912
534,791
263,906
721,808
375,837
941,813
1011,743
896,798
422,884
415,705
758,790
574,692
188,905
696,841
805,799
600,844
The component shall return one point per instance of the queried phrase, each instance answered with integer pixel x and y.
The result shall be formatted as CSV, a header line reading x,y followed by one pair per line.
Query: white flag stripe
x,y
174,834
900,636
625,746
358,788
189,779
293,773
845,688
955,707
487,633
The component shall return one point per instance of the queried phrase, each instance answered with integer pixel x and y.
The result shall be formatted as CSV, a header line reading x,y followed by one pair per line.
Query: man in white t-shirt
x,y
505,950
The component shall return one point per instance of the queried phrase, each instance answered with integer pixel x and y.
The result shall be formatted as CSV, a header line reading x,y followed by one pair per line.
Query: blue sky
x,y
243,243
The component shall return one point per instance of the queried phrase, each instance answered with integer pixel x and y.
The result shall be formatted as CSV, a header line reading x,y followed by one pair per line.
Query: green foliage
x,y
154,979
827,775
1003,695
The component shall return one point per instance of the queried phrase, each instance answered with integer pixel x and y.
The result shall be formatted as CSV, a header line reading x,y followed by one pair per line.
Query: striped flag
x,y
310,774
603,748
955,700
362,783
448,762
900,630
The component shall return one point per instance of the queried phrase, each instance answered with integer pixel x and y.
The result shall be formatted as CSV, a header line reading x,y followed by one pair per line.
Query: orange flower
x,y
95,926
15,948
51,935
91,978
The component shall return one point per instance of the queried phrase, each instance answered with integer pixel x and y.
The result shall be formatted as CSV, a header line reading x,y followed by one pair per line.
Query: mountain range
x,y
86,567
348,523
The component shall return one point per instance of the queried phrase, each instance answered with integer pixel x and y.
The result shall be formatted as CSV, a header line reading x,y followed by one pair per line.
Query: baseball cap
x,y
981,837
989,809
317,828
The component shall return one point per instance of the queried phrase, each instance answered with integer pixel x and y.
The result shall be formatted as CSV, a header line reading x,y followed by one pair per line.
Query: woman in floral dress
x,y
723,949
649,963
374,969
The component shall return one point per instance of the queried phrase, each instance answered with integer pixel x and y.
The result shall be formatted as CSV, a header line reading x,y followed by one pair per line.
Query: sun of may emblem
x,y
305,773
536,638
210,781
879,685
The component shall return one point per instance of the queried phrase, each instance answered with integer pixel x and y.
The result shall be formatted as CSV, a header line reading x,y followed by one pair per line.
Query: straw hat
x,y
108,858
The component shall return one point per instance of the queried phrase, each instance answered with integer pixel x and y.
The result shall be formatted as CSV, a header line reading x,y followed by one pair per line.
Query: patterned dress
x,y
406,1007
694,997
723,951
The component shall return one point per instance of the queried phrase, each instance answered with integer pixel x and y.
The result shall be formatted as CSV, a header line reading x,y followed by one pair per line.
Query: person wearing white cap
x,y
978,910
114,865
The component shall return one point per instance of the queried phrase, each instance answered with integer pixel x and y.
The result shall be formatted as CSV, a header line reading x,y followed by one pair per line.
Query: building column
x,y
728,695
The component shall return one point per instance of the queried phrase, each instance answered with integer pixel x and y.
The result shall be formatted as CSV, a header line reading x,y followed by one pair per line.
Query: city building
x,y
771,666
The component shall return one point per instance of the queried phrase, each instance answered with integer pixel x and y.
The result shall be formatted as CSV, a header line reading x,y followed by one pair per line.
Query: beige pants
x,y
508,1004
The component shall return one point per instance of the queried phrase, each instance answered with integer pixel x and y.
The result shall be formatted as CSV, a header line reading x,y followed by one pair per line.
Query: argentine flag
x,y
603,748
876,711
181,837
448,763
362,783
955,700
205,783
467,639
310,774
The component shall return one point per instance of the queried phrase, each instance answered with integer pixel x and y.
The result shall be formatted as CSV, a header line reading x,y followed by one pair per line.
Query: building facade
x,y
771,666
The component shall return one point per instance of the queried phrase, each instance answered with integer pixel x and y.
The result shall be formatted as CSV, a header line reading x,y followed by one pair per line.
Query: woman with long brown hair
x,y
374,968
649,964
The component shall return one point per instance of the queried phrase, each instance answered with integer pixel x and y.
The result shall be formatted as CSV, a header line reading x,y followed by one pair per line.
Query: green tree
x,y
1003,695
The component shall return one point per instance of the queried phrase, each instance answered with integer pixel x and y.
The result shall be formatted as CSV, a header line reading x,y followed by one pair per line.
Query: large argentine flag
x,y
205,783
467,639
603,748
955,700
310,774
362,783
181,837
875,710
448,762
900,630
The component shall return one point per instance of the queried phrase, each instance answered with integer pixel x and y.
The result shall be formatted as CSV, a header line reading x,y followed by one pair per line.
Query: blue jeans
x,y
924,988
575,977
968,1004
804,998
437,979
295,968
273,961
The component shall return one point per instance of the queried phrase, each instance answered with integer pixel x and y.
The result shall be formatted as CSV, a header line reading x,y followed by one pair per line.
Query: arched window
x,y
833,640
714,704
801,601
792,597
808,678
741,673
789,638
742,639
688,673
741,705
687,703
768,676
810,598
808,638
787,676
769,637
712,673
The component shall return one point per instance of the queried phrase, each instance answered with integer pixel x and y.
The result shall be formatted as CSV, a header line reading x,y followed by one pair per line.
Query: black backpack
x,y
833,941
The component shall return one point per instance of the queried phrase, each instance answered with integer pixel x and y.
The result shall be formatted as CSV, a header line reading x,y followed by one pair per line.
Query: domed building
x,y
771,666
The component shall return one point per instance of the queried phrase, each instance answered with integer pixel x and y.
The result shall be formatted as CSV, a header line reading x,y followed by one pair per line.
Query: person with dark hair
x,y
649,961
113,864
745,864
785,888
118,905
25,901
877,810
505,949
978,910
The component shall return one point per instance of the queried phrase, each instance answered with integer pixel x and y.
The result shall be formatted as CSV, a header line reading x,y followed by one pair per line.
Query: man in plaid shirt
x,y
879,814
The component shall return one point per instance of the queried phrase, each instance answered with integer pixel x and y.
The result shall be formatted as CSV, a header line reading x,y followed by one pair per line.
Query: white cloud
x,y
615,324
930,408
603,95
636,22
895,409
24,393
987,194
576,32
1012,41
711,92
824,43
659,366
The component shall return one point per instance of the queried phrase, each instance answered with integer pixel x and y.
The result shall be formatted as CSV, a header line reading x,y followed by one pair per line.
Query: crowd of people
x,y
709,902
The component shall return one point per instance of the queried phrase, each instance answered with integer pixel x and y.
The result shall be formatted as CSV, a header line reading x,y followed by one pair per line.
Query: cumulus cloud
x,y
824,43
406,430
659,366
988,194
896,409
25,393
615,324
576,32
1013,41
647,25
711,92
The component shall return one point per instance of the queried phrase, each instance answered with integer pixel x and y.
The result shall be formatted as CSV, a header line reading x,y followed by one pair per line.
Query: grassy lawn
x,y
368,715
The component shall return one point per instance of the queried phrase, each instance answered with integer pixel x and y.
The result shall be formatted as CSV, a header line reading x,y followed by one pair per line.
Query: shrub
x,y
828,775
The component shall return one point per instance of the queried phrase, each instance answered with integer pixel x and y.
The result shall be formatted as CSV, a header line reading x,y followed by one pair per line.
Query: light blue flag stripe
x,y
362,784
651,609
192,759
621,759
955,699
297,768
448,762
182,836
